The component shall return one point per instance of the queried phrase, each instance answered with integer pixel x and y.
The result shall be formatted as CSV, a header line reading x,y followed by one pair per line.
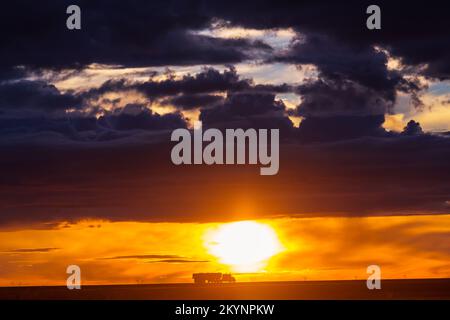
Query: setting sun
x,y
245,246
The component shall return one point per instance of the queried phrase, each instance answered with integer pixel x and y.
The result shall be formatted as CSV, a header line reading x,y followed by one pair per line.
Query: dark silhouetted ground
x,y
391,289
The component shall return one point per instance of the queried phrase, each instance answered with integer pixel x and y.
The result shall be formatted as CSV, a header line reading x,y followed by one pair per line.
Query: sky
x,y
86,117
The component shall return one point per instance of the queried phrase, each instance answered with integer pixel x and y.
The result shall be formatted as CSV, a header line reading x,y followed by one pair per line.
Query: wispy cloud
x,y
144,256
31,250
156,258
177,261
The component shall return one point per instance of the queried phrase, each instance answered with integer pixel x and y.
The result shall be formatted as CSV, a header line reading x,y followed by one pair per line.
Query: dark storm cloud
x,y
140,33
418,34
248,110
272,88
73,128
331,98
192,101
354,81
35,95
339,61
340,161
333,37
243,105
345,56
138,117
144,33
127,121
190,91
341,109
12,73
412,128
132,180
21,100
209,80
335,128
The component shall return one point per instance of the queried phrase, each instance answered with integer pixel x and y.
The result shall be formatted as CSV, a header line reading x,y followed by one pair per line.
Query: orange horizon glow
x,y
312,249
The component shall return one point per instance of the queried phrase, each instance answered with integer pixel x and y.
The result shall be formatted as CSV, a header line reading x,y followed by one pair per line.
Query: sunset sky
x,y
86,115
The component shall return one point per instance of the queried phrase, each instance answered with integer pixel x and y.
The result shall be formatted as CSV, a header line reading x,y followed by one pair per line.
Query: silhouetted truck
x,y
202,278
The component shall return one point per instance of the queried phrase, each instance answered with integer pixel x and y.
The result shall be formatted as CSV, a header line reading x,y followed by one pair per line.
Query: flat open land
x,y
299,290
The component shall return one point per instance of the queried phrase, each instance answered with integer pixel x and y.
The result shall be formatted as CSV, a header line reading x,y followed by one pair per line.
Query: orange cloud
x,y
315,248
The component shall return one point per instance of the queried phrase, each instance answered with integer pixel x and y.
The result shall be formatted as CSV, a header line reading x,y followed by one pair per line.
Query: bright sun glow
x,y
245,246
